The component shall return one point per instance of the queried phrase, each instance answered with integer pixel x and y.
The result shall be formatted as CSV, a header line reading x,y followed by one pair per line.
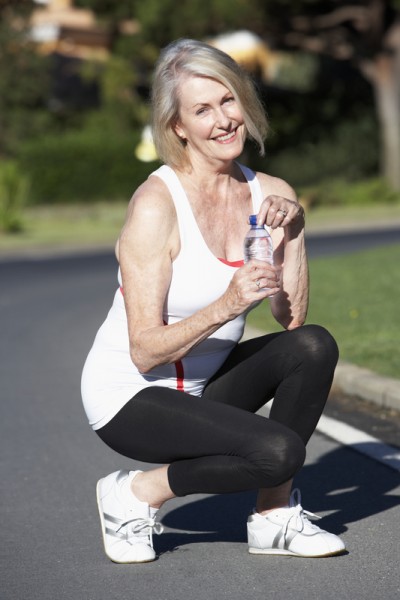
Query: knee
x,y
318,345
289,458
283,458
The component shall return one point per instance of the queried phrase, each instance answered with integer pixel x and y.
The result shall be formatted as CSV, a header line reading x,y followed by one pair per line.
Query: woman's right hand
x,y
254,281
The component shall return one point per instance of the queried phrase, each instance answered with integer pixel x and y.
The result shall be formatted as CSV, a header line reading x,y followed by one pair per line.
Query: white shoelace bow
x,y
140,525
296,515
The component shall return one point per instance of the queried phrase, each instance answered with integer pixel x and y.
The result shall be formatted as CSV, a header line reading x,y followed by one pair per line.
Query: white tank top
x,y
110,378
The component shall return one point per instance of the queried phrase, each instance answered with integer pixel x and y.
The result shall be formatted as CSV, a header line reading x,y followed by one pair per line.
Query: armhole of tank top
x,y
255,187
178,195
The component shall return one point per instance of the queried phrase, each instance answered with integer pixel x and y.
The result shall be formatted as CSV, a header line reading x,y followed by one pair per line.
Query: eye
x,y
229,100
201,111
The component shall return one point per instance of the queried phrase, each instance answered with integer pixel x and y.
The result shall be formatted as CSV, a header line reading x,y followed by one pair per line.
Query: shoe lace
x,y
140,527
297,517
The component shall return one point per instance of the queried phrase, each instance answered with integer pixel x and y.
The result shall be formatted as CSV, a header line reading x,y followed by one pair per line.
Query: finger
x,y
265,283
264,213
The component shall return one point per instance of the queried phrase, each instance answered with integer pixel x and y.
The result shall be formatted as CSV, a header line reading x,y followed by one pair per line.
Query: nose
x,y
223,119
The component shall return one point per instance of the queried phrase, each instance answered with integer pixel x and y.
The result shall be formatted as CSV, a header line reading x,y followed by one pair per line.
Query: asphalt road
x,y
50,461
328,244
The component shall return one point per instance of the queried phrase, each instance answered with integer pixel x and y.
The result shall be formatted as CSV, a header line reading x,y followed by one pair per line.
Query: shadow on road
x,y
343,484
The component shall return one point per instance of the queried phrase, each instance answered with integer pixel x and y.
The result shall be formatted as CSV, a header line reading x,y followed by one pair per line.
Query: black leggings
x,y
216,444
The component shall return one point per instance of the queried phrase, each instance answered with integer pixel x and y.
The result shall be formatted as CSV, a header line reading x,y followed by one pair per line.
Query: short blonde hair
x,y
187,57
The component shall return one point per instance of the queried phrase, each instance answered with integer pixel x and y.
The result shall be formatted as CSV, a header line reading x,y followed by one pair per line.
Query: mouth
x,y
226,138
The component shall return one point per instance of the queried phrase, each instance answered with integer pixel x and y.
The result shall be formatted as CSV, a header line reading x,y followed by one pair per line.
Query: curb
x,y
367,385
349,379
357,381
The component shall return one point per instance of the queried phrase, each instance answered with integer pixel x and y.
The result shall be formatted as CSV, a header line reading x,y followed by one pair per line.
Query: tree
x,y
366,34
24,78
160,22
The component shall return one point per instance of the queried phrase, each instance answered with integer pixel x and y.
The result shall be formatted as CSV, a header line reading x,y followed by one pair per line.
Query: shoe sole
x,y
103,533
283,552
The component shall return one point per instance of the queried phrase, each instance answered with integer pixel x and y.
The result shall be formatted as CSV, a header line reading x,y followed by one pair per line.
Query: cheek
x,y
204,128
238,116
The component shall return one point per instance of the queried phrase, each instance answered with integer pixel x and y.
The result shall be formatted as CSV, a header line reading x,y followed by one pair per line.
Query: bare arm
x,y
148,245
289,306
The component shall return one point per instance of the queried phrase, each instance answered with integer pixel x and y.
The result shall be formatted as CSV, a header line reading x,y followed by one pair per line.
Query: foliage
x,y
24,81
87,165
118,85
365,34
346,151
356,299
14,187
323,129
161,21
339,192
110,9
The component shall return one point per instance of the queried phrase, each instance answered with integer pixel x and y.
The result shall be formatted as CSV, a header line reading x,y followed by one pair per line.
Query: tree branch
x,y
359,16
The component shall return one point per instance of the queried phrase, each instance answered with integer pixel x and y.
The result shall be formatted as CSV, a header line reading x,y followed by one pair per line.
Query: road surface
x,y
50,461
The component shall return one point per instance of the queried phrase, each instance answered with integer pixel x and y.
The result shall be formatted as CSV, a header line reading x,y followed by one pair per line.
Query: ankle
x,y
143,488
265,511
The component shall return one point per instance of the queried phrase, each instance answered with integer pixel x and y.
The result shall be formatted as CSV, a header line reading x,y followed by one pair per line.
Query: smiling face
x,y
210,120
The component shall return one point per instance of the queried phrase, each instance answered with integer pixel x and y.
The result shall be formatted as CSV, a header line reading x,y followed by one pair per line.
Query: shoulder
x,y
275,186
151,205
151,216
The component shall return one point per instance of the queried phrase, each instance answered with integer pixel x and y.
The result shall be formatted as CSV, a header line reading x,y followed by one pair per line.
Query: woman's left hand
x,y
277,211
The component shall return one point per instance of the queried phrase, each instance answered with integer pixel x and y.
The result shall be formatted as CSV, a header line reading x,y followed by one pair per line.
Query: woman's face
x,y
210,120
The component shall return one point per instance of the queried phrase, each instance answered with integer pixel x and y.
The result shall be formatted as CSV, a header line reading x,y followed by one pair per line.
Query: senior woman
x,y
167,380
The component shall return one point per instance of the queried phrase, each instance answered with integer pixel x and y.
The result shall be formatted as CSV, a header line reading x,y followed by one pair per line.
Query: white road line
x,y
360,441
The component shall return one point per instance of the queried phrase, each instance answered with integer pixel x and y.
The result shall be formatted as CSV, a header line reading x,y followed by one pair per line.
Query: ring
x,y
284,212
258,283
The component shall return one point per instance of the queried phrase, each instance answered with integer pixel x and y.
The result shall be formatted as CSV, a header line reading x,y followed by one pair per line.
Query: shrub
x,y
13,196
340,192
84,166
350,152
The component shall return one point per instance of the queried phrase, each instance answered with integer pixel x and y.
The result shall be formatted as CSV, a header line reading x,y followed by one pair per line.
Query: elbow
x,y
290,321
294,324
141,360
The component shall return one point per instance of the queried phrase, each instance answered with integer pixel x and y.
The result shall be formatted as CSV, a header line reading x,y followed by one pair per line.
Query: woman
x,y
167,380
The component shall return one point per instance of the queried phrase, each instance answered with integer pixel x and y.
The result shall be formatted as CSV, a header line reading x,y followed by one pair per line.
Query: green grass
x,y
356,297
69,226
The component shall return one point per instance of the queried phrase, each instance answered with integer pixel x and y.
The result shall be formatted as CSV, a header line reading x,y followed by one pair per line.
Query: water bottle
x,y
258,243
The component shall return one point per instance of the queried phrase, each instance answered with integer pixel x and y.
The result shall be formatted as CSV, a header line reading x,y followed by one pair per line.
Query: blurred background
x,y
75,78
74,138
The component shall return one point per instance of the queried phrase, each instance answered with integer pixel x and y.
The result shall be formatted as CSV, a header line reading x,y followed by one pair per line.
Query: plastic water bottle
x,y
258,243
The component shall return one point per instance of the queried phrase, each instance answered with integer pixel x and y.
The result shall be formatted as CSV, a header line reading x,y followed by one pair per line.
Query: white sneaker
x,y
288,531
127,523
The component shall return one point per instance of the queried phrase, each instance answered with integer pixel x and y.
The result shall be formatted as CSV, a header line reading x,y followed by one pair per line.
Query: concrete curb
x,y
357,381
365,384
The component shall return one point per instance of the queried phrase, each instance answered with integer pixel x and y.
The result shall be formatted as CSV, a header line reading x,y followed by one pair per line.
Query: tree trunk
x,y
384,75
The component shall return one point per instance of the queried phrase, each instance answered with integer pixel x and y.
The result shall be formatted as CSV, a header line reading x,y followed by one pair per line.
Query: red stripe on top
x,y
180,376
180,373
235,263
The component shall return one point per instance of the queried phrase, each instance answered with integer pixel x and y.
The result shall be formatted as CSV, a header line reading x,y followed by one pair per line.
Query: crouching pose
x,y
167,380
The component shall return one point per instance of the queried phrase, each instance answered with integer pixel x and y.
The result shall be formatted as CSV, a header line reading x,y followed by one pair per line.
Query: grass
x,y
70,226
356,298
80,226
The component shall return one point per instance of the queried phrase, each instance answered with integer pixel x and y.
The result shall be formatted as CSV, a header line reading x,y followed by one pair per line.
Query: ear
x,y
179,132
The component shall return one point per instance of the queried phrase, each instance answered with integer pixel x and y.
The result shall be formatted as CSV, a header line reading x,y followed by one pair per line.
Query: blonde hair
x,y
187,57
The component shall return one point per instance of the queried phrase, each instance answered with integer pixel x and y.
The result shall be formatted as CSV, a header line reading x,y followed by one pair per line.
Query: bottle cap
x,y
253,219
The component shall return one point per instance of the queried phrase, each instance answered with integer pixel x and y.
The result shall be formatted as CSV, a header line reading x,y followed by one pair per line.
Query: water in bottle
x,y
258,243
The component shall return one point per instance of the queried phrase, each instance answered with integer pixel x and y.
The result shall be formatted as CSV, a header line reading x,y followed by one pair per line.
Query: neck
x,y
208,177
